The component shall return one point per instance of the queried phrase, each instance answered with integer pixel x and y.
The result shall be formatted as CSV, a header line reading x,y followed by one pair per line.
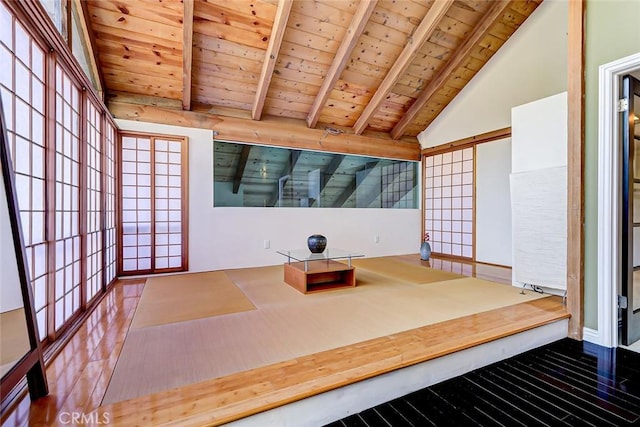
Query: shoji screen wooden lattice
x,y
449,202
59,138
94,182
153,205
110,203
22,86
67,195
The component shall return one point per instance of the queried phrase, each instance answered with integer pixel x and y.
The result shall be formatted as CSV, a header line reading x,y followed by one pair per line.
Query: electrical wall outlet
x,y
267,244
376,239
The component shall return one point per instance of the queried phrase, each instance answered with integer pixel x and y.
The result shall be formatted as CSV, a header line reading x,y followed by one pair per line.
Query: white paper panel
x,y
539,224
493,203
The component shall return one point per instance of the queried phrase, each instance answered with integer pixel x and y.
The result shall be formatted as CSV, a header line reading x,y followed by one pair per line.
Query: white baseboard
x,y
333,405
591,335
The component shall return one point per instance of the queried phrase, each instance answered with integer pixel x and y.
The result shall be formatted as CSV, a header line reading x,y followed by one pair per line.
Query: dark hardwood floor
x,y
567,382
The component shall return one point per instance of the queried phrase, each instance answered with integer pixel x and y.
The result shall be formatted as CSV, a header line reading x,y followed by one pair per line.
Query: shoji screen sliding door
x,y
23,89
110,182
59,138
449,202
68,255
94,202
153,212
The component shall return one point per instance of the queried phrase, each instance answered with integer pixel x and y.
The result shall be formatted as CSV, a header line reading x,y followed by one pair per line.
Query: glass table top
x,y
328,254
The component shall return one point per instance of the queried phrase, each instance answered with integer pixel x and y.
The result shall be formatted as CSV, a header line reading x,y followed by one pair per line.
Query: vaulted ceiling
x,y
383,69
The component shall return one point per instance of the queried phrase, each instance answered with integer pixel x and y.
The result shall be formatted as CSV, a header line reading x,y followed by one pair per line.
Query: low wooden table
x,y
319,272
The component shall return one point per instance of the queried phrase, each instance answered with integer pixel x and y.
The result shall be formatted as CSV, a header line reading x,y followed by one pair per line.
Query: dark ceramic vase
x,y
317,243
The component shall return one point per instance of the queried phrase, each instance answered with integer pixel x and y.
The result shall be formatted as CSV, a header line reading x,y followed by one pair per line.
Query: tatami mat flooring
x,y
179,343
568,383
80,374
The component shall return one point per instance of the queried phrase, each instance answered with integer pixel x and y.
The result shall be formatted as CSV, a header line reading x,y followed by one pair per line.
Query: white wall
x,y
234,237
493,202
539,134
10,294
531,65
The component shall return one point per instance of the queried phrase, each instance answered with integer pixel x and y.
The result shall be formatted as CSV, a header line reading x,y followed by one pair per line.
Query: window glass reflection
x,y
260,176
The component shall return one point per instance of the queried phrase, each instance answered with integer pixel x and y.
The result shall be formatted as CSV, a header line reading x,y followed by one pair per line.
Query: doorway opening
x,y
609,249
629,286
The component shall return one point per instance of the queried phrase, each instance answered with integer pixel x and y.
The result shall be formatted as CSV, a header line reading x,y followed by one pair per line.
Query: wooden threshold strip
x,y
229,398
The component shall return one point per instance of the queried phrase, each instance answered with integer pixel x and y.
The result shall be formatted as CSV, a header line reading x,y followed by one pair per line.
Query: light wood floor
x,y
79,376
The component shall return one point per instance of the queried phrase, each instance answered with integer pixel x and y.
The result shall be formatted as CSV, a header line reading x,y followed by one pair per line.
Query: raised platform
x,y
309,390
374,371
356,397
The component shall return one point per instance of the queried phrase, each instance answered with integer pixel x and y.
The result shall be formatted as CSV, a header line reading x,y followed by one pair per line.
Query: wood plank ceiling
x,y
383,69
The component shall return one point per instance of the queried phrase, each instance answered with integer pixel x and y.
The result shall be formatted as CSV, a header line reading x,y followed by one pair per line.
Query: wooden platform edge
x,y
222,400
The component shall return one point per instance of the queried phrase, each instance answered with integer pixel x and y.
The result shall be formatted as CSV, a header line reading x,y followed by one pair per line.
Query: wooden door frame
x,y
630,330
184,153
449,147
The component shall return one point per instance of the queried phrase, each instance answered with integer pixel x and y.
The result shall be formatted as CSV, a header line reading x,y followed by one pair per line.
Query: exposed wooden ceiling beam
x,y
187,52
357,26
496,11
268,131
277,33
242,163
421,34
85,22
